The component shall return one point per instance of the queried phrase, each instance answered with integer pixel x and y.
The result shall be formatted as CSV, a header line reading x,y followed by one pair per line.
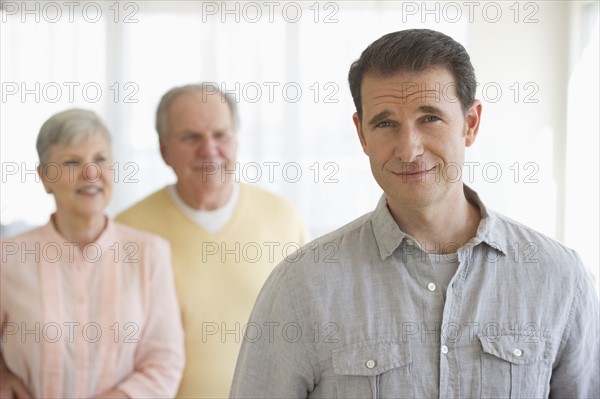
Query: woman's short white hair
x,y
68,127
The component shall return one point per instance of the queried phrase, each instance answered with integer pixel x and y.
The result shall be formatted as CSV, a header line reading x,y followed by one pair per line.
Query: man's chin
x,y
419,194
210,182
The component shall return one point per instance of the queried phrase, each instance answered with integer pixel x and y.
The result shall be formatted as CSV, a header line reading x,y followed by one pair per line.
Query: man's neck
x,y
205,199
440,227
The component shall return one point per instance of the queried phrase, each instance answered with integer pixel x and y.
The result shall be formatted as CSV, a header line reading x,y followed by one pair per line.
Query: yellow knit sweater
x,y
218,276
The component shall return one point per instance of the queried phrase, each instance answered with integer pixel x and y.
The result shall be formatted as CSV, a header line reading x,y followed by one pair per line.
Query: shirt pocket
x,y
514,366
373,369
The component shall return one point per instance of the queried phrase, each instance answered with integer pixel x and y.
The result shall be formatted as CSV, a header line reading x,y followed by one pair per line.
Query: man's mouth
x,y
208,166
414,175
90,190
414,172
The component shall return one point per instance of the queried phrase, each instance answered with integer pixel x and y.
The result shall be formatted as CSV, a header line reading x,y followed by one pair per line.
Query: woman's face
x,y
80,176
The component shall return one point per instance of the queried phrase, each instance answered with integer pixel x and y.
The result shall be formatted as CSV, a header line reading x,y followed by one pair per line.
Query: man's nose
x,y
208,147
409,144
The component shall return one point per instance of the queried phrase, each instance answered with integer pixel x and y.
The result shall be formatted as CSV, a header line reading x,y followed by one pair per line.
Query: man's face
x,y
415,132
201,143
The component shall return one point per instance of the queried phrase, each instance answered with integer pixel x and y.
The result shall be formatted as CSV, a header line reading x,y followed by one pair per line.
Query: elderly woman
x,y
87,306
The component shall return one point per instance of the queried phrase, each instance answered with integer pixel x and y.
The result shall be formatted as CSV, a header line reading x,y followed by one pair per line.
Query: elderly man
x,y
426,297
226,237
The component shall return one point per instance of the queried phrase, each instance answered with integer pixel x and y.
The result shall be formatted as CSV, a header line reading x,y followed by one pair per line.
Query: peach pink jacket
x,y
77,323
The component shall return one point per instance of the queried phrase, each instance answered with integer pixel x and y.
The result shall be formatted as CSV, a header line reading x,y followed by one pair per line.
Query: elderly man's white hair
x,y
207,88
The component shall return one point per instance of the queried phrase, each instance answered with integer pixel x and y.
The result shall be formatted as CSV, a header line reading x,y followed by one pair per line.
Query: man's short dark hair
x,y
415,50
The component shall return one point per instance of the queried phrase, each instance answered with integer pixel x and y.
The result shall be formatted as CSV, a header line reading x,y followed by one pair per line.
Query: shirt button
x,y
444,349
370,363
431,287
410,242
517,352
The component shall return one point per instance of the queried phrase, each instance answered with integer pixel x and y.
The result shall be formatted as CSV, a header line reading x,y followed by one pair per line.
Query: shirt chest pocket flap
x,y
373,369
514,365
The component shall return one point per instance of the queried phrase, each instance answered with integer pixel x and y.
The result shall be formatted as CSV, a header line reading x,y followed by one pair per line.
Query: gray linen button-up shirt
x,y
359,313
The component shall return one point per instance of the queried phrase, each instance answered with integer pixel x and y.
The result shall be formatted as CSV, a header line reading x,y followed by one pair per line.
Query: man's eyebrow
x,y
379,117
69,155
431,109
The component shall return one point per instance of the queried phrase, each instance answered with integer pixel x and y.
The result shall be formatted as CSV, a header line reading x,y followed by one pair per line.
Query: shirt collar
x,y
389,236
488,230
387,233
103,240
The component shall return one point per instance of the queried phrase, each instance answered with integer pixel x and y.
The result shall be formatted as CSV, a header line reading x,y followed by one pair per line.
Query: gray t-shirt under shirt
x,y
445,266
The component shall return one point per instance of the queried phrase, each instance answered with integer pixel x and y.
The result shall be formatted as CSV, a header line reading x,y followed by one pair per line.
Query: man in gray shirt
x,y
432,294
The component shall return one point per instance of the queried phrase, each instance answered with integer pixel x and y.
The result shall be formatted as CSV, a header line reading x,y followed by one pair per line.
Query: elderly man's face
x,y
201,143
415,132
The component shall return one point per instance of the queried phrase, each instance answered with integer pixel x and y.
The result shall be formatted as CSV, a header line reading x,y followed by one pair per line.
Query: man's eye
x,y
384,124
100,159
71,162
431,118
221,135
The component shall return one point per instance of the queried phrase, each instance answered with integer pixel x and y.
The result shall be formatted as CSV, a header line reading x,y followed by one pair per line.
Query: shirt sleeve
x,y
159,358
274,361
299,227
3,317
304,233
577,372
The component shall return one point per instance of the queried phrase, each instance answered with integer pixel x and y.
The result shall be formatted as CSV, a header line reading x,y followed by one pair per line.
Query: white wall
x,y
525,123
533,54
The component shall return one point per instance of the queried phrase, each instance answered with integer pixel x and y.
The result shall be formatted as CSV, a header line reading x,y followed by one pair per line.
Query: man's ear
x,y
359,131
472,120
236,143
163,152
